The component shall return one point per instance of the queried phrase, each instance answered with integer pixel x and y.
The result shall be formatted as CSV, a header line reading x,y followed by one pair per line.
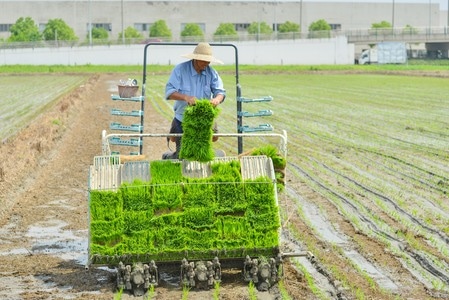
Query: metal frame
x,y
106,150
237,84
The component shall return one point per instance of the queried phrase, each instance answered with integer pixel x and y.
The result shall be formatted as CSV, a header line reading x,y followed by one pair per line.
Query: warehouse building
x,y
115,16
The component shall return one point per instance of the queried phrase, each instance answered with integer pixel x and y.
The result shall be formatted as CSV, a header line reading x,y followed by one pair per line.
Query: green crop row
x,y
172,217
25,98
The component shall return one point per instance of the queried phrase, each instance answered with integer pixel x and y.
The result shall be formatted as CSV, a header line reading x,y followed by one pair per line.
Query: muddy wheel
x,y
138,292
263,286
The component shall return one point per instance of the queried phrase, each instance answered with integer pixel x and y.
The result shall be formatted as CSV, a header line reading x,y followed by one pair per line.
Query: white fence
x,y
333,51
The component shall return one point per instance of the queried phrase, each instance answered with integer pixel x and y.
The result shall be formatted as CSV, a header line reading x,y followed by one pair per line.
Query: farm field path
x,y
44,225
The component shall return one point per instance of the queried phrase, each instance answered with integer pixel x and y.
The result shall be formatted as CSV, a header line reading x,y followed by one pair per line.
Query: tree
x,y
319,25
289,27
57,29
319,29
130,33
383,28
193,32
383,24
99,34
24,30
262,28
225,31
160,29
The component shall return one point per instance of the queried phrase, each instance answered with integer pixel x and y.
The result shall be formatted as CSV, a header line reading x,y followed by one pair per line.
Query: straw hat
x,y
203,51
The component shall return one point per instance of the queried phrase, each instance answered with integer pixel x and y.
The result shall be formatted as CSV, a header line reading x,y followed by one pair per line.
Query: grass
x,y
24,98
151,293
311,282
118,295
185,292
216,294
283,291
428,65
252,291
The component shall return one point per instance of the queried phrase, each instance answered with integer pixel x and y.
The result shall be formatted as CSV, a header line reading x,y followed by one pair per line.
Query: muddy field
x,y
43,221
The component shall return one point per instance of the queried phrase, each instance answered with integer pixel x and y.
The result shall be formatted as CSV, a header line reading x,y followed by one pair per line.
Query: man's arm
x,y
217,99
178,96
217,88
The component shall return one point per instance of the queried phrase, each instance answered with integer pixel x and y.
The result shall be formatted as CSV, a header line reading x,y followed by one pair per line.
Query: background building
x,y
115,16
350,21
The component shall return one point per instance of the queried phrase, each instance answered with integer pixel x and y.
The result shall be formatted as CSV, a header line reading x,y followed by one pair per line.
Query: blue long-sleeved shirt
x,y
185,80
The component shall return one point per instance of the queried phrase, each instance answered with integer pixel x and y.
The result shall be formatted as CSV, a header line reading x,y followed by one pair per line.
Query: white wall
x,y
299,52
347,15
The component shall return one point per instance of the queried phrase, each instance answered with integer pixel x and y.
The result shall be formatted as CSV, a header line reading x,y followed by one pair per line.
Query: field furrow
x,y
21,102
375,147
370,153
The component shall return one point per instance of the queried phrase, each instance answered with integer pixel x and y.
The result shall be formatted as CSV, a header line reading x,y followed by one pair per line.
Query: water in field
x,y
331,235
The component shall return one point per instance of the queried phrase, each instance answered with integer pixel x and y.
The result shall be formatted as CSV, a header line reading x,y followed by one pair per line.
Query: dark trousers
x,y
176,127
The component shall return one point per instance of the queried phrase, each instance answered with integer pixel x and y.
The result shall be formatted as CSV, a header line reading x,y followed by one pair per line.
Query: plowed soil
x,y
44,225
43,216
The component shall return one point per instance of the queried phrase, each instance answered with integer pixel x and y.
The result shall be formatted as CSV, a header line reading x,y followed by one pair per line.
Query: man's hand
x,y
217,100
191,100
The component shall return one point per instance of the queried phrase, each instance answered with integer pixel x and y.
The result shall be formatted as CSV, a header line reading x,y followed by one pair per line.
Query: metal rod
x,y
392,16
106,137
307,254
90,24
123,31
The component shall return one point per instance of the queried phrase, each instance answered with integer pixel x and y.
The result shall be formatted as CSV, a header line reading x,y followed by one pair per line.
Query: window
x,y
142,26
241,26
42,27
5,27
107,26
335,26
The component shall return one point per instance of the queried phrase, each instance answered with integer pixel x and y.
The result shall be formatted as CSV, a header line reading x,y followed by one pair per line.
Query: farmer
x,y
189,81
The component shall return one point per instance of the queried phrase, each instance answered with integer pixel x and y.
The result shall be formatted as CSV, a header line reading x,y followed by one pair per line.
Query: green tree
x,y
99,34
130,33
225,31
383,24
383,28
319,29
57,29
289,27
262,28
160,29
24,30
289,30
192,32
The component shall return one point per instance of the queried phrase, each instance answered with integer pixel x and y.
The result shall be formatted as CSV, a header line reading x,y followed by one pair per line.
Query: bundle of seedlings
x,y
279,162
172,217
197,126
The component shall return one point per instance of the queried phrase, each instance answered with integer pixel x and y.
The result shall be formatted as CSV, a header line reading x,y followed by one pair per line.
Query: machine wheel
x,y
139,292
263,286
